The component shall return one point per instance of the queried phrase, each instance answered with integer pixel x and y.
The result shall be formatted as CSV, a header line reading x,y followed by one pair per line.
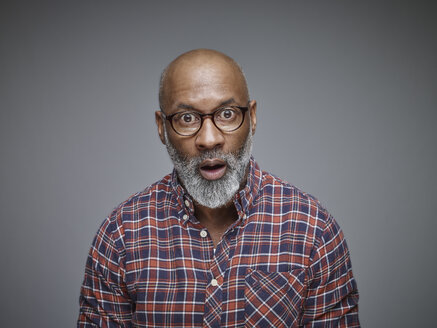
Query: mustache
x,y
230,159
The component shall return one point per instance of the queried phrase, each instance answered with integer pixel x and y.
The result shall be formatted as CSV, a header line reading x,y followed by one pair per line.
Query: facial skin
x,y
204,80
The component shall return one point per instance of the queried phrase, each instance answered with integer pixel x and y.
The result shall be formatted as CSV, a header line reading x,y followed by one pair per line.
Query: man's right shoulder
x,y
149,199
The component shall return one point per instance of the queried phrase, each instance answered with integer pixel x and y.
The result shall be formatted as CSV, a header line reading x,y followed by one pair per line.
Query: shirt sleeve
x,y
104,299
332,295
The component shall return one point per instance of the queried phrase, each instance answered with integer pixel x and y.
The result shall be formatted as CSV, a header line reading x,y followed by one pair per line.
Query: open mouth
x,y
212,169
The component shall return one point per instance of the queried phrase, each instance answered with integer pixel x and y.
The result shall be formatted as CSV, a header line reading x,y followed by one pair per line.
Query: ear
x,y
160,124
252,110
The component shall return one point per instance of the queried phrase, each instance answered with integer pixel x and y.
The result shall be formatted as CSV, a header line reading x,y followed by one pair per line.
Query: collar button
x,y
203,233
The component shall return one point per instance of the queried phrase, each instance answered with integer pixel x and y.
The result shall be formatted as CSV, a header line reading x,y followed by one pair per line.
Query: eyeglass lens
x,y
226,119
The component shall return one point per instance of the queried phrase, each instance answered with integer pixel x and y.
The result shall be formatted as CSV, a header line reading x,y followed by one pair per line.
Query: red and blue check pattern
x,y
283,263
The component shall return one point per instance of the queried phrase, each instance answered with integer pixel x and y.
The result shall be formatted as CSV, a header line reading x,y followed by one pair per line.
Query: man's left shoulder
x,y
290,198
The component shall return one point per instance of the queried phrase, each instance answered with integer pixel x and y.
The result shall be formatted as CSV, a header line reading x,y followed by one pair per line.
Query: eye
x,y
226,114
188,118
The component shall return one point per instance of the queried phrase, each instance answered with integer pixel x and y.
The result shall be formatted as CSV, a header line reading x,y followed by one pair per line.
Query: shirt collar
x,y
242,200
247,195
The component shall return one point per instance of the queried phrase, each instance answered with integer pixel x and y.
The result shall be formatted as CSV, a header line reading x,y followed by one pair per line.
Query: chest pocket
x,y
273,299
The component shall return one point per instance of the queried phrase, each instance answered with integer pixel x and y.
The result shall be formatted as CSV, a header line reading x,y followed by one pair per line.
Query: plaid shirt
x,y
283,263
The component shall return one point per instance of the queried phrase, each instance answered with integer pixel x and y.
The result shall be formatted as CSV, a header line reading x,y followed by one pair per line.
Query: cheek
x,y
185,146
235,141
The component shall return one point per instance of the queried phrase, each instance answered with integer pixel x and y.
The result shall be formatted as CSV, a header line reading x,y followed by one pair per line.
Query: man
x,y
217,243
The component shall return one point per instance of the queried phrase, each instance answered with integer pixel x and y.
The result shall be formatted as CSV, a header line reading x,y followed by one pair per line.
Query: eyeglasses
x,y
226,119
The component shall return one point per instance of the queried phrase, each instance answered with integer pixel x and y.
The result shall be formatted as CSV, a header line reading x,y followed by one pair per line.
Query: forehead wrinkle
x,y
223,103
184,106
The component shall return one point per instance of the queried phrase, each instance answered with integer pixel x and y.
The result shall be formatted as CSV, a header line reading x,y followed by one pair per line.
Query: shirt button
x,y
203,234
214,282
185,217
187,203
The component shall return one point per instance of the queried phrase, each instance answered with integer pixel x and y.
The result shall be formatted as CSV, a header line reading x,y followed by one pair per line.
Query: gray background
x,y
347,99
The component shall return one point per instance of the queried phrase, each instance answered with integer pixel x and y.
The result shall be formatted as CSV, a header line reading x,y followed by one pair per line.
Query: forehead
x,y
204,83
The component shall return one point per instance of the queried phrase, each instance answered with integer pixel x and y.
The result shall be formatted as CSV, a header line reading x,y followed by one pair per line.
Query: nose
x,y
209,136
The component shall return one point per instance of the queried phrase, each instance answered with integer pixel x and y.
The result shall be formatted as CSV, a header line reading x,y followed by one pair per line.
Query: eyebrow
x,y
224,103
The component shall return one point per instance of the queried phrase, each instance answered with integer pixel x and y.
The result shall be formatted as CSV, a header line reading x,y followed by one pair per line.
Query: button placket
x,y
213,302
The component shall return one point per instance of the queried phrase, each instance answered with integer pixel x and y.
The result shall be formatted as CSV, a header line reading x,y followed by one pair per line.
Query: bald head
x,y
200,66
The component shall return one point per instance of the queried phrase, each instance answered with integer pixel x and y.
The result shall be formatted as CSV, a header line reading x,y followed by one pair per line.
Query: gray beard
x,y
212,193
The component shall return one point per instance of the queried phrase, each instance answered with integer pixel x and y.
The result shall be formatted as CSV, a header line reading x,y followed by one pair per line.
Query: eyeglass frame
x,y
169,118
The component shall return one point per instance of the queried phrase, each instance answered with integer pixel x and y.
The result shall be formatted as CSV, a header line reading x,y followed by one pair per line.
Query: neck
x,y
216,218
